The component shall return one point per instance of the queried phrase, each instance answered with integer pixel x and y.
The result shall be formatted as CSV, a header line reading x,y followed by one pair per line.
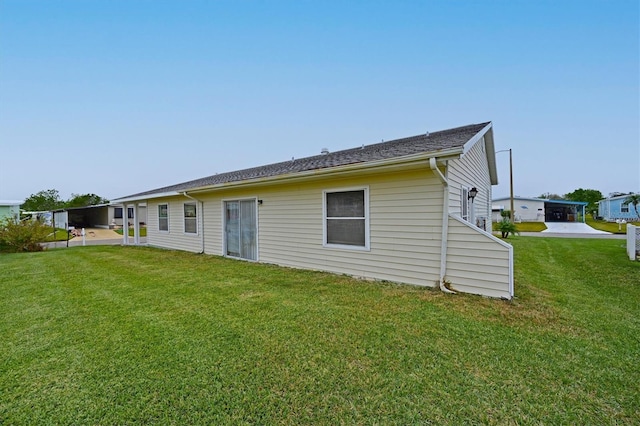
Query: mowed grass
x,y
133,335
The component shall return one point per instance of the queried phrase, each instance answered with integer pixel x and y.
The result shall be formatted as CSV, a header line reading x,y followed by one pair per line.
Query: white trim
x,y
168,218
469,144
367,233
223,202
184,219
497,240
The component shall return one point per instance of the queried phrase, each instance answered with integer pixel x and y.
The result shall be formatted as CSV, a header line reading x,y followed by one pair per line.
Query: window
x,y
464,203
163,217
117,213
346,218
190,218
624,208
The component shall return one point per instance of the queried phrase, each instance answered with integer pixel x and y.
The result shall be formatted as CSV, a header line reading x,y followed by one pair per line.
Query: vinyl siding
x,y
478,262
471,170
405,216
611,210
175,238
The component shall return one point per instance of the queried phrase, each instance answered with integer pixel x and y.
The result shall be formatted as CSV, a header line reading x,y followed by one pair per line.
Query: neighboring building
x,y
107,216
10,209
400,211
542,209
615,208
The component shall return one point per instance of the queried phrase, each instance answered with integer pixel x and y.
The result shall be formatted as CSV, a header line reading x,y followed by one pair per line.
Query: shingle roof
x,y
425,143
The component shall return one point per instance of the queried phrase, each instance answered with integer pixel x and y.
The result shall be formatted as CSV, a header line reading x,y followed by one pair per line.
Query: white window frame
x,y
624,208
367,239
168,214
464,203
184,217
223,206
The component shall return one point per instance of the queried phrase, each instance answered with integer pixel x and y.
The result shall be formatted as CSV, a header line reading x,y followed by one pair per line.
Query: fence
x,y
633,241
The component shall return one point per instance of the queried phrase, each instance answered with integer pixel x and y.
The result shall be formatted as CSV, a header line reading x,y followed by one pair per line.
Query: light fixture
x,y
472,193
259,202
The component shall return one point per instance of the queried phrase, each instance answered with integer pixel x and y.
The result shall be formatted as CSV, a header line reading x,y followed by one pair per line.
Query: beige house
x,y
415,210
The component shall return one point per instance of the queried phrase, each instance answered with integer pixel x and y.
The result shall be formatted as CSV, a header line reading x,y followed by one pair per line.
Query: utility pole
x,y
513,212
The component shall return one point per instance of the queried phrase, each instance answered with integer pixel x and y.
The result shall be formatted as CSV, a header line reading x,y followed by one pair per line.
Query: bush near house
x,y
22,236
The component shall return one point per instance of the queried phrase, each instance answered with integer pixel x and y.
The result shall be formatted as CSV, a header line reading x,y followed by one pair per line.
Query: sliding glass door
x,y
241,229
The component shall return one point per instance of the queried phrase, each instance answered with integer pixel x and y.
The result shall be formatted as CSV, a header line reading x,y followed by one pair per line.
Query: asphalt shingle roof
x,y
425,143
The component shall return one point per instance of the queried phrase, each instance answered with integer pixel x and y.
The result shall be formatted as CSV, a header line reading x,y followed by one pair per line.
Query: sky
x,y
117,97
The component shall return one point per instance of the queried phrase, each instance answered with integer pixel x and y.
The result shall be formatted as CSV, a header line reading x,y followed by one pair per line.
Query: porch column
x,y
136,225
125,224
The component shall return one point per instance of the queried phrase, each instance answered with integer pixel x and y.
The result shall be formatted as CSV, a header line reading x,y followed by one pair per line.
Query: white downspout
x,y
201,218
445,224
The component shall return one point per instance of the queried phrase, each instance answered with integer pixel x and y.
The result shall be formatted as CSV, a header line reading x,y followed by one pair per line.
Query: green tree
x,y
550,196
591,196
633,199
43,201
83,200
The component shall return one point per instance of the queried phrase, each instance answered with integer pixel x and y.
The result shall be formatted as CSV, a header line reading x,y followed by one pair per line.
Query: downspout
x,y
445,224
201,219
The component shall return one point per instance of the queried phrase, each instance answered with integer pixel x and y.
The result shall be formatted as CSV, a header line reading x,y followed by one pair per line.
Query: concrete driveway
x,y
572,230
94,236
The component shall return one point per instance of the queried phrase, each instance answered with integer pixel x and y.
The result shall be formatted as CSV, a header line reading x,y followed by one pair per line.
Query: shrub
x,y
507,227
22,236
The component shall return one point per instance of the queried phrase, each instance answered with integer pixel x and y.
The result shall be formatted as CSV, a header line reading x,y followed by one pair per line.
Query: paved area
x,y
95,236
572,230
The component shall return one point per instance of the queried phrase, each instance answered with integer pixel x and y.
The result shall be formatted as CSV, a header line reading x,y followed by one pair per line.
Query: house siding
x,y
290,225
7,212
478,262
175,238
610,209
471,170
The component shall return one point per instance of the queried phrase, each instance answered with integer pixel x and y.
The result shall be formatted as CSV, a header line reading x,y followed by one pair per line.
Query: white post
x,y
136,225
631,241
84,241
125,224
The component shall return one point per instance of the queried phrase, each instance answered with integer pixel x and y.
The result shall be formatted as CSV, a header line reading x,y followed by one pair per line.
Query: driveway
x,y
572,230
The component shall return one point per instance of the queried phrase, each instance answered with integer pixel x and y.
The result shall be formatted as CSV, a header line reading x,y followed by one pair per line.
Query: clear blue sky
x,y
116,97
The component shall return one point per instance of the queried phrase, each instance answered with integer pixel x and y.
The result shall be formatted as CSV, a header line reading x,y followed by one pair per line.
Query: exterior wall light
x,y
472,193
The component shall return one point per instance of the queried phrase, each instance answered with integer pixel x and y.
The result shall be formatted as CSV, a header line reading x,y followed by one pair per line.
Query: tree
x,y
550,196
46,200
591,196
78,200
633,199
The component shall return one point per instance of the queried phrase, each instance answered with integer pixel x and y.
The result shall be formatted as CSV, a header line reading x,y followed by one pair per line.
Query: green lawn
x,y
612,227
134,335
531,226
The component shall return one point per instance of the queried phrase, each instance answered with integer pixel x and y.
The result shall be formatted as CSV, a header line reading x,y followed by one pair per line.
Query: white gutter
x,y
445,224
201,218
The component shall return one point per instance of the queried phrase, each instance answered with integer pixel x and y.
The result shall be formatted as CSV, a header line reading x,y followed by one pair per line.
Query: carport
x,y
564,211
88,217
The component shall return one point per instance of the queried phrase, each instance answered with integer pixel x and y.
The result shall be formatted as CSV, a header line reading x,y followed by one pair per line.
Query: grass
x,y
143,231
124,335
531,226
60,235
612,227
